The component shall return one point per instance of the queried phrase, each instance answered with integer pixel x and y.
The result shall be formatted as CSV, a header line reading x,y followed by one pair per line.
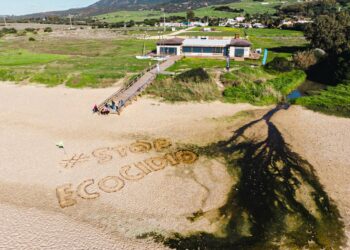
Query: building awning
x,y
240,43
172,41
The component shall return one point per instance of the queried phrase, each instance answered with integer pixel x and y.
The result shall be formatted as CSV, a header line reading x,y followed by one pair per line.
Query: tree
x,y
330,33
190,15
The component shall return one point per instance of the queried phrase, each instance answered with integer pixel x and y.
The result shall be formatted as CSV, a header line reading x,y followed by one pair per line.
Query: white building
x,y
204,47
162,24
240,19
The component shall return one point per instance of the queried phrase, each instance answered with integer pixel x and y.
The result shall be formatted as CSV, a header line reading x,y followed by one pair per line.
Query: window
x,y
207,50
187,49
217,50
239,52
197,49
168,50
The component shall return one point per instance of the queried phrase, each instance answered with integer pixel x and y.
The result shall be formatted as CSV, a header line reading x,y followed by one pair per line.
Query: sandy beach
x,y
38,178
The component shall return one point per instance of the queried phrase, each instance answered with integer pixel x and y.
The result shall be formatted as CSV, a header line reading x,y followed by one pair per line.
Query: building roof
x,y
172,41
206,42
197,42
240,43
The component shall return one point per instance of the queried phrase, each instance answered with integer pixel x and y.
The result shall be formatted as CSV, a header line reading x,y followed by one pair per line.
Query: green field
x,y
260,33
249,6
75,62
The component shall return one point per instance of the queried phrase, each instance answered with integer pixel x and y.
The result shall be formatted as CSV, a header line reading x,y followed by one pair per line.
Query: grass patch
x,y
185,87
187,63
228,31
23,57
51,79
76,62
333,101
258,87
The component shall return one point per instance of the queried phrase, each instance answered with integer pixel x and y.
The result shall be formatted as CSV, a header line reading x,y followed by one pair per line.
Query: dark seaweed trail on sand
x,y
278,202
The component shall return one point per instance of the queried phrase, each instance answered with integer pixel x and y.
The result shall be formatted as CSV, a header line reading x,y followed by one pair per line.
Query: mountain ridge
x,y
106,6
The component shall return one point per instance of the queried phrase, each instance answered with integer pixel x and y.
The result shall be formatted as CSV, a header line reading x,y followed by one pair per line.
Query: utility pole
x,y
164,21
70,21
5,21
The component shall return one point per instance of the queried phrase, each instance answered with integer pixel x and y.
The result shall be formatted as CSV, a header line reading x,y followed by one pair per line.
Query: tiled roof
x,y
240,43
172,41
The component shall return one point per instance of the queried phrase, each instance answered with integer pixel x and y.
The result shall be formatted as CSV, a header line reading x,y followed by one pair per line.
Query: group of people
x,y
109,107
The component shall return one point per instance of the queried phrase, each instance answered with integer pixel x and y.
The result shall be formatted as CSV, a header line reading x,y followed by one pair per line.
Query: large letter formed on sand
x,y
161,144
186,156
143,167
82,190
121,150
124,172
156,163
140,147
118,184
65,195
103,155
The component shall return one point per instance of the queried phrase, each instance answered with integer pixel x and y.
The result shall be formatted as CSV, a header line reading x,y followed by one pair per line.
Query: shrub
x,y
176,90
193,75
32,30
48,29
305,59
9,31
280,64
31,39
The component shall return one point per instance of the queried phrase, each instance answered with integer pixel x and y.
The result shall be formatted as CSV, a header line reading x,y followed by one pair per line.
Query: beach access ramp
x,y
124,96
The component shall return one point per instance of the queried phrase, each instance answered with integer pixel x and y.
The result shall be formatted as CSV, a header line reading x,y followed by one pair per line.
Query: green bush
x,y
48,29
280,64
9,31
287,82
170,89
31,39
193,75
49,78
32,30
259,92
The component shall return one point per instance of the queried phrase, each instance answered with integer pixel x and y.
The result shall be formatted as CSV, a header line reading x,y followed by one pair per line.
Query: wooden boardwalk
x,y
126,95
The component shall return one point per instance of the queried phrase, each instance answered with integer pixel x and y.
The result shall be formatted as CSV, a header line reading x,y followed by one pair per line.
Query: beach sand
x,y
325,142
34,119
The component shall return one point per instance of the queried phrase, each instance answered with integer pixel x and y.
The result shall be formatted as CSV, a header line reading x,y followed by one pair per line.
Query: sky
x,y
21,7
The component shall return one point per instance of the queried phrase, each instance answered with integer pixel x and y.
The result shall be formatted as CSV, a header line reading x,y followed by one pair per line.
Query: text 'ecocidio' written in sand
x,y
68,195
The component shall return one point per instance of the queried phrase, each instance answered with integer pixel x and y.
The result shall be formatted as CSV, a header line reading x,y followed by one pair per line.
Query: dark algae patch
x,y
277,203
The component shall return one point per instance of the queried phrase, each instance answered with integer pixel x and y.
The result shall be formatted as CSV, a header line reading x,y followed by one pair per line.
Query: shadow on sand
x,y
278,202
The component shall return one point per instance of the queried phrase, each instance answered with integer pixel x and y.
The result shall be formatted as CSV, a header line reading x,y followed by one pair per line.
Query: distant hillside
x,y
107,6
248,6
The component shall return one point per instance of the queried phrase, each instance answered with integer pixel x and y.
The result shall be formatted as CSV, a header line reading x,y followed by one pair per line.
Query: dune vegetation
x,y
333,101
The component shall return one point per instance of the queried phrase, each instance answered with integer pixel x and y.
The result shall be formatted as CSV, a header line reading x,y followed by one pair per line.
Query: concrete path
x,y
123,97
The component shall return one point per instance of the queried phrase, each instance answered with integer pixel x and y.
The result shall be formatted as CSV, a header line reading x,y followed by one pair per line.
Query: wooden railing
x,y
127,86
130,83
